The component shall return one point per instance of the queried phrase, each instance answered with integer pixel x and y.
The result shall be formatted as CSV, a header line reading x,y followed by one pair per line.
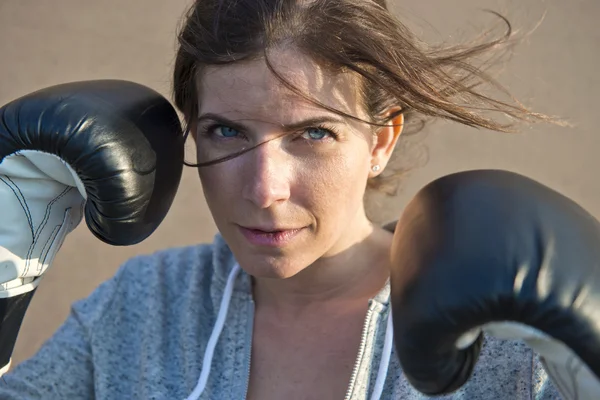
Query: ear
x,y
385,141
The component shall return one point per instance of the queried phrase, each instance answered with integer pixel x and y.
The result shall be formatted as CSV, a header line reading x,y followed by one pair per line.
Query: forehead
x,y
251,88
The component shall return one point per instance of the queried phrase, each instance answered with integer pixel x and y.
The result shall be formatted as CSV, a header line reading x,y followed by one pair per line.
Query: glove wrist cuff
x,y
18,287
12,312
4,369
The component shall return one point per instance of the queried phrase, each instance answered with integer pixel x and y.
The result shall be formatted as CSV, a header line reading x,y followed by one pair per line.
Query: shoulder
x,y
164,280
504,369
512,367
176,268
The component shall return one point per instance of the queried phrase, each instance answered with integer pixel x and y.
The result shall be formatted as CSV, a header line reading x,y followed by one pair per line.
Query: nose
x,y
267,176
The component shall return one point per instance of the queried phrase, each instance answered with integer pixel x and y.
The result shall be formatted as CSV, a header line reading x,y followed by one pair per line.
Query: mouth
x,y
270,236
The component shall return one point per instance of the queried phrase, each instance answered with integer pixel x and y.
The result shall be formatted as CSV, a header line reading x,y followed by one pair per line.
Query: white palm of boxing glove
x,y
41,201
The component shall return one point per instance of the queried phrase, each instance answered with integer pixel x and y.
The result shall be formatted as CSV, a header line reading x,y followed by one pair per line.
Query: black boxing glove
x,y
110,150
495,252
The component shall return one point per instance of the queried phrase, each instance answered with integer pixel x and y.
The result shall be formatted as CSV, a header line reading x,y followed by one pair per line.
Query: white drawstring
x,y
385,358
214,337
218,328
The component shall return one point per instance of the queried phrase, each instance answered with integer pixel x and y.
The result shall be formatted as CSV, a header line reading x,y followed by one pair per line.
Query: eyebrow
x,y
311,122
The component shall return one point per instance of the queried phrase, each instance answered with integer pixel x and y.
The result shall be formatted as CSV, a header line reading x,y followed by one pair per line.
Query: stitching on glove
x,y
41,226
46,248
21,199
52,238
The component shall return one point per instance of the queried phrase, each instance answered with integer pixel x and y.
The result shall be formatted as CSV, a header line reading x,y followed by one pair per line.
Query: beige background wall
x,y
45,42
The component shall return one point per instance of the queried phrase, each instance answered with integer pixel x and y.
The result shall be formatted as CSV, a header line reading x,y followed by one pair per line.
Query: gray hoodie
x,y
144,334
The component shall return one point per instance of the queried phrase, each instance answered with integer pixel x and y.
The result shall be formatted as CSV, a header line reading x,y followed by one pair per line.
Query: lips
x,y
270,236
267,230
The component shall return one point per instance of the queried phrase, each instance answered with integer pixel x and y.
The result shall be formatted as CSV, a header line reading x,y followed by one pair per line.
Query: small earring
x,y
375,167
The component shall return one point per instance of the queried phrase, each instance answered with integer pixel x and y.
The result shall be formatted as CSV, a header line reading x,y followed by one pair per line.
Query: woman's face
x,y
298,196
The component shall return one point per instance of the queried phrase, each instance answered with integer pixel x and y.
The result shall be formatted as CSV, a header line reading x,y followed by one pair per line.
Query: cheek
x,y
335,187
218,183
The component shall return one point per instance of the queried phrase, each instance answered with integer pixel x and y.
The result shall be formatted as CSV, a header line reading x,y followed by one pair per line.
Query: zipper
x,y
250,328
361,350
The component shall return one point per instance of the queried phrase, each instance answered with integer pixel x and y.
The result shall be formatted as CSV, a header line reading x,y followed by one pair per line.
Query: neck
x,y
353,272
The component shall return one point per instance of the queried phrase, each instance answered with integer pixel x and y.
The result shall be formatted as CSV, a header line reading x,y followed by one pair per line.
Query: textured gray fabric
x,y
143,333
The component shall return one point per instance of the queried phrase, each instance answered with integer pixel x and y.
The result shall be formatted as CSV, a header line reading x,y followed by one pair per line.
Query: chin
x,y
272,267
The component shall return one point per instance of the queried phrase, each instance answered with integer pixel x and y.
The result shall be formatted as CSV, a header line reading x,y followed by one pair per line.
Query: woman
x,y
296,108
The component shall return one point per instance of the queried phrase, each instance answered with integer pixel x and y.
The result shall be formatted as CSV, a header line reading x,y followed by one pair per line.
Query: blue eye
x,y
226,131
317,133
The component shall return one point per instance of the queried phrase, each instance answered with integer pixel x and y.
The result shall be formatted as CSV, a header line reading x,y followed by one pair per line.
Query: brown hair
x,y
360,36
